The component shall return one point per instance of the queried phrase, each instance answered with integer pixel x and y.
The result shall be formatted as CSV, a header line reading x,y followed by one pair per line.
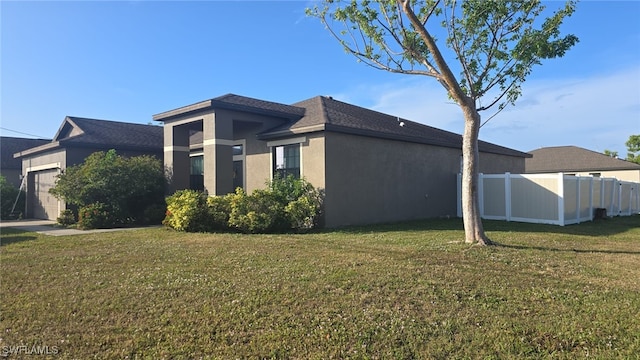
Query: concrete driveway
x,y
46,227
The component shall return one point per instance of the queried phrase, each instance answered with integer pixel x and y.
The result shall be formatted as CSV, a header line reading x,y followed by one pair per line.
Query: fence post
x,y
619,197
561,199
481,193
578,198
507,196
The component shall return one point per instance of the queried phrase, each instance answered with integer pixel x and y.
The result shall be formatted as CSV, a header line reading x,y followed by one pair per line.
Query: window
x,y
197,165
286,160
197,173
238,150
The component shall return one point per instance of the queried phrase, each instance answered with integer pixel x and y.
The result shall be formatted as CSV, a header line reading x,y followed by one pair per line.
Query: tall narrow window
x,y
197,173
286,160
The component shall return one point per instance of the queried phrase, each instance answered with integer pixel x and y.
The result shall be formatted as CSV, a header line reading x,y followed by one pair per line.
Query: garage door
x,y
44,205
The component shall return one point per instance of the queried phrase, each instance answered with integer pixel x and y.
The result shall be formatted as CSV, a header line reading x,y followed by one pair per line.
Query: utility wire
x,y
23,133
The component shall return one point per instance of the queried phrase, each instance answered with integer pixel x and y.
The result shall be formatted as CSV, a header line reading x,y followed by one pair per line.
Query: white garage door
x,y
44,205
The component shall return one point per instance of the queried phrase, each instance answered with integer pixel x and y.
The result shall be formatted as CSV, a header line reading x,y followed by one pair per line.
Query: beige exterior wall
x,y
313,157
624,175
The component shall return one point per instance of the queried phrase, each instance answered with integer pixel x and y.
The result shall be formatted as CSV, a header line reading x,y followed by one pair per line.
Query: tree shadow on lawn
x,y
12,236
583,251
596,228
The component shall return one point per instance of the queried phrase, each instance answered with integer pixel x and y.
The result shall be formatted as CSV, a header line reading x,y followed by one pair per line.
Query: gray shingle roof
x,y
322,113
238,103
573,159
103,134
325,113
12,145
115,134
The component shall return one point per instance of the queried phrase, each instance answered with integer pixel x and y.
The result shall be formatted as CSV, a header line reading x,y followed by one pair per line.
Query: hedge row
x,y
288,204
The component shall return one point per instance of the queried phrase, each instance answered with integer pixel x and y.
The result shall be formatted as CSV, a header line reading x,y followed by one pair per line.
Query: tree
x,y
10,196
633,149
129,189
610,153
493,44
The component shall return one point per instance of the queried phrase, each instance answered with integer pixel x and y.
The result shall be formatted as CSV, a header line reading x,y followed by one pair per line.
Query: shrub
x,y
287,204
303,213
96,216
187,211
219,208
133,188
66,218
8,195
259,212
153,214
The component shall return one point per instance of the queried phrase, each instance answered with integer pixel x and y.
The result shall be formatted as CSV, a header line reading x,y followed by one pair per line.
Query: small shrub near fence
x,y
287,204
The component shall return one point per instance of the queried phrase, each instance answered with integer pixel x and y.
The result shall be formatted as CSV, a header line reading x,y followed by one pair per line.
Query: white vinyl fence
x,y
552,198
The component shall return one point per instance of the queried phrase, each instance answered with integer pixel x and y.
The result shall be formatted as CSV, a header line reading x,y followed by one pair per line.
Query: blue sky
x,y
128,60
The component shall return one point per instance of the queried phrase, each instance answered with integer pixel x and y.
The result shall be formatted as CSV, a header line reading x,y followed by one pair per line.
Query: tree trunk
x,y
473,229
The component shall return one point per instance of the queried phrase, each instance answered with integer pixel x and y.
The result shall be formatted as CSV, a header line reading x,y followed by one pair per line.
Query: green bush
x,y
219,208
66,218
132,188
259,212
187,211
287,204
303,213
96,216
8,195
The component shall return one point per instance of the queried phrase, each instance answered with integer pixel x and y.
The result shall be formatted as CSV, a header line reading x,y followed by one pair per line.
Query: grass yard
x,y
408,291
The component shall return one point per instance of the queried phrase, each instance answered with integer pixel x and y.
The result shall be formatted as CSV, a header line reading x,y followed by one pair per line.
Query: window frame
x,y
274,145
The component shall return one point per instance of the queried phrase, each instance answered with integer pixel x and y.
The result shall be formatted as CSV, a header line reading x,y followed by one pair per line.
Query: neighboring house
x,y
76,139
373,167
10,167
574,160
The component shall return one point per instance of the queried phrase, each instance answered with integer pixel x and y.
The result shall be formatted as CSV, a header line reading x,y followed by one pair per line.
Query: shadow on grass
x,y
12,236
597,228
543,248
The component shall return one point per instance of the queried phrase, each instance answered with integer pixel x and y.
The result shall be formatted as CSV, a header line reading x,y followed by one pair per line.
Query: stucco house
x,y
76,139
579,161
10,167
373,167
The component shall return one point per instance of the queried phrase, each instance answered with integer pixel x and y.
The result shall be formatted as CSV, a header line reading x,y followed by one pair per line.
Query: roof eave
x,y
217,104
38,149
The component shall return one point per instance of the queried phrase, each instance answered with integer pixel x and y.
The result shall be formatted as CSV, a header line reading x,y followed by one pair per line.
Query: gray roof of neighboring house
x,y
573,159
103,134
115,133
12,145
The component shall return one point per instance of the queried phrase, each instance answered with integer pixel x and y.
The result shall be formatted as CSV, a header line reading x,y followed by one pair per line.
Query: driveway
x,y
46,227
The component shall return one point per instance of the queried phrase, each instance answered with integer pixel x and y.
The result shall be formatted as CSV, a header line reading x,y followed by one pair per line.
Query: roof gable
x,y
114,134
574,159
102,134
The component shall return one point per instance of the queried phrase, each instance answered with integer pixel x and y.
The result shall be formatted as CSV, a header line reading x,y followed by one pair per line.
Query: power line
x,y
23,133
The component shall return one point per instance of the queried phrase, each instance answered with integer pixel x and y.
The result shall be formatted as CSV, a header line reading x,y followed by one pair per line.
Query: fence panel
x,y
552,198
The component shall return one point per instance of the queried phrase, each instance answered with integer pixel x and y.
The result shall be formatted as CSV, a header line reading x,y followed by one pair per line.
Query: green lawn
x,y
392,292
